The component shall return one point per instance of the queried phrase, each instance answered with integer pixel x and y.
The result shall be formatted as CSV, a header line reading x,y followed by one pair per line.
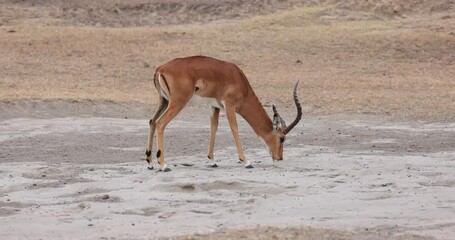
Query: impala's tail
x,y
161,85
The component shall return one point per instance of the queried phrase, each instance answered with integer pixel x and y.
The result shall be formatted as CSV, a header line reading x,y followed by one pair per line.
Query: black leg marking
x,y
158,154
148,153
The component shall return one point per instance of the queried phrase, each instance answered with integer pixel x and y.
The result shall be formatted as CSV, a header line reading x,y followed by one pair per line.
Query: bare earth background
x,y
373,157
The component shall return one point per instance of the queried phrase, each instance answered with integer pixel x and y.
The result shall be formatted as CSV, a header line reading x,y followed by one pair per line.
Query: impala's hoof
x,y
249,166
165,170
214,165
150,168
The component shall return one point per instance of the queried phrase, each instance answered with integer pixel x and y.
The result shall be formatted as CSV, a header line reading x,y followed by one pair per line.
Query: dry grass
x,y
362,66
307,233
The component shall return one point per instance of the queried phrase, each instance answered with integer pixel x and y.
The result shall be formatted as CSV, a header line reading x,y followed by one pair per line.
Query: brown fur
x,y
223,81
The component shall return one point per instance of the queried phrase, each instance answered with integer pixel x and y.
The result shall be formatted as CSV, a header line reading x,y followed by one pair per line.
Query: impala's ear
x,y
278,122
276,119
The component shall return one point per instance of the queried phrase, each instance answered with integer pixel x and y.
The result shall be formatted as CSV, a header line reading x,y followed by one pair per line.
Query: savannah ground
x,y
372,157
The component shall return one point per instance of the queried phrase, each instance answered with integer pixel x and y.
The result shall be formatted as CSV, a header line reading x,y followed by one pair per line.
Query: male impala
x,y
226,87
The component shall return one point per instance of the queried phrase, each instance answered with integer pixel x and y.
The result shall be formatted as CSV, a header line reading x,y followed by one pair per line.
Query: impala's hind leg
x,y
169,114
152,123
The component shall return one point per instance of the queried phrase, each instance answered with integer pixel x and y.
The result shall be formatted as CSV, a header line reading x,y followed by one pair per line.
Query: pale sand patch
x,y
319,186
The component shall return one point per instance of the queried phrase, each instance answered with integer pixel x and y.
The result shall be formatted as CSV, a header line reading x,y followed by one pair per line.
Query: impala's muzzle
x,y
277,158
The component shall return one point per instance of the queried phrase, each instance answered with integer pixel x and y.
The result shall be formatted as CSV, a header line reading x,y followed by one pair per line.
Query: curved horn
x,y
299,111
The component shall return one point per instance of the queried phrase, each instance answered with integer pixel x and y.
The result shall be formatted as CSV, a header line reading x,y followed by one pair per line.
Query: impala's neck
x,y
253,112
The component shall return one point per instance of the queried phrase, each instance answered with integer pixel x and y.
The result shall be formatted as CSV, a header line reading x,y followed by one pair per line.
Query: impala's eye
x,y
282,140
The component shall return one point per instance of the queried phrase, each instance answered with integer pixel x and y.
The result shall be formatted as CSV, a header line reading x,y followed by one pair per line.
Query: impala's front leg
x,y
230,114
214,115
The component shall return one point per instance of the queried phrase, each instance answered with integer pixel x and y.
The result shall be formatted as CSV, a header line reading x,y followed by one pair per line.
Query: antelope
x,y
224,86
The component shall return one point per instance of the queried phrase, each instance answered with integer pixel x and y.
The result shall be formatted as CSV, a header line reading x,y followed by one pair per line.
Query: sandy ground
x,y
85,178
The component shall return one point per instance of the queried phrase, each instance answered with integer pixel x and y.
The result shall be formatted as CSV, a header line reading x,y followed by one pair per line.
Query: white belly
x,y
205,101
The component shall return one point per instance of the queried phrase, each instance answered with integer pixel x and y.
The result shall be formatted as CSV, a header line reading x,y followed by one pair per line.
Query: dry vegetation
x,y
307,233
394,58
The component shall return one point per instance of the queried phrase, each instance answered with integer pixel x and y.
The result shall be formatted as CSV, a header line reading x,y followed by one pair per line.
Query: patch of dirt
x,y
137,12
339,132
163,12
397,8
307,233
436,15
72,108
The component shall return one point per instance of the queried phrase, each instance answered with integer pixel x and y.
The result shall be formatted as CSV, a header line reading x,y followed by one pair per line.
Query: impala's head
x,y
276,140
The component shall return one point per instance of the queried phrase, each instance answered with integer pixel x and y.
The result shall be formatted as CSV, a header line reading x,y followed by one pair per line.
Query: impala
x,y
224,86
